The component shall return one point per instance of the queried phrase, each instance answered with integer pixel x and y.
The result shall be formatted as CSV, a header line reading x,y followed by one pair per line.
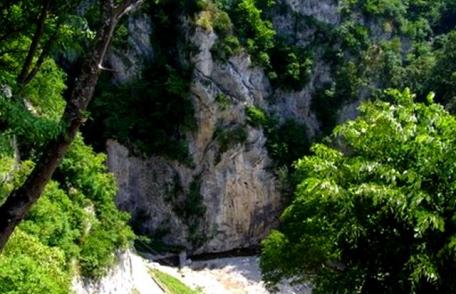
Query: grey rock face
x,y
323,10
6,91
130,274
144,189
239,191
295,20
127,64
296,105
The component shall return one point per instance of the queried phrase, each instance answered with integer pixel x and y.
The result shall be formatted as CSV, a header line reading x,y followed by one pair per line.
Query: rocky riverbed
x,y
233,275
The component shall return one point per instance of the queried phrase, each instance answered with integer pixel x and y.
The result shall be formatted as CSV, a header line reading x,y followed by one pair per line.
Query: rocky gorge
x,y
258,145
237,185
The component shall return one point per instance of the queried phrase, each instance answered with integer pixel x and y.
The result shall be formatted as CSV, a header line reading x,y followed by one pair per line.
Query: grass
x,y
171,284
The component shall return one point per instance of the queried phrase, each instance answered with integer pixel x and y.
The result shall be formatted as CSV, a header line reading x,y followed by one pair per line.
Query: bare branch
x,y
126,7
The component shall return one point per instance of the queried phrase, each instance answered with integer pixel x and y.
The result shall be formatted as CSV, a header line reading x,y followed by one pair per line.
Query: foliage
x,y
223,101
57,220
286,141
212,18
256,116
291,66
152,113
63,30
228,138
384,44
242,22
74,222
79,216
377,213
443,76
28,266
329,99
255,32
84,171
171,284
12,173
192,210
75,226
45,90
354,36
35,120
132,112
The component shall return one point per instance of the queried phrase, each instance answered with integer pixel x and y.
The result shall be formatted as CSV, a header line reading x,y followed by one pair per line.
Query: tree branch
x,y
44,53
21,200
126,7
9,34
35,43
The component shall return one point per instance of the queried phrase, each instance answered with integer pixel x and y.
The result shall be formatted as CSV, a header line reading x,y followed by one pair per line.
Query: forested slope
x,y
205,105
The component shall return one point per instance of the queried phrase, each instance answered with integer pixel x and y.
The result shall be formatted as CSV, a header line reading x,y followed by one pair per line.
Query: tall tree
x,y
378,215
21,200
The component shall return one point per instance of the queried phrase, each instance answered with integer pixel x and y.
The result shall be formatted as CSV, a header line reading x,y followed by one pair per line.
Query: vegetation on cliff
x,y
373,208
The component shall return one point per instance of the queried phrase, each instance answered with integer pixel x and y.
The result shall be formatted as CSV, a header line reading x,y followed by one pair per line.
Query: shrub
x,y
256,116
28,266
230,137
223,101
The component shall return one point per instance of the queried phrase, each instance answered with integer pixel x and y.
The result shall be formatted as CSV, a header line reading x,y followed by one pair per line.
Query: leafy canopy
x,y
376,211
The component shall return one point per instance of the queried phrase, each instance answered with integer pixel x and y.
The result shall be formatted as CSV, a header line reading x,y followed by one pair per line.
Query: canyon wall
x,y
235,188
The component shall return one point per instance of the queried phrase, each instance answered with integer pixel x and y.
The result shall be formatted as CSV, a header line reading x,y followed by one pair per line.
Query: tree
x,y
21,200
39,27
375,211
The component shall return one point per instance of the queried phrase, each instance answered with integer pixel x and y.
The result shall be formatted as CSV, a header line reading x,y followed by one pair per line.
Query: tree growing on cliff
x,y
19,202
377,215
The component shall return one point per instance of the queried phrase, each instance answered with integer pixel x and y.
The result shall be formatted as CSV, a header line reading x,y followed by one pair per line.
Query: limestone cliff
x,y
235,184
238,191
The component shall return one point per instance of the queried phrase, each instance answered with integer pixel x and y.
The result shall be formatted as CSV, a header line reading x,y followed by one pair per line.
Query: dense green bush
x,y
291,66
256,116
84,172
28,266
286,141
132,113
223,101
239,23
75,222
228,138
256,33
443,76
376,214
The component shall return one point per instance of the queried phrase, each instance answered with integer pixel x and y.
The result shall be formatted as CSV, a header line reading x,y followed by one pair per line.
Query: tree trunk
x,y
21,200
